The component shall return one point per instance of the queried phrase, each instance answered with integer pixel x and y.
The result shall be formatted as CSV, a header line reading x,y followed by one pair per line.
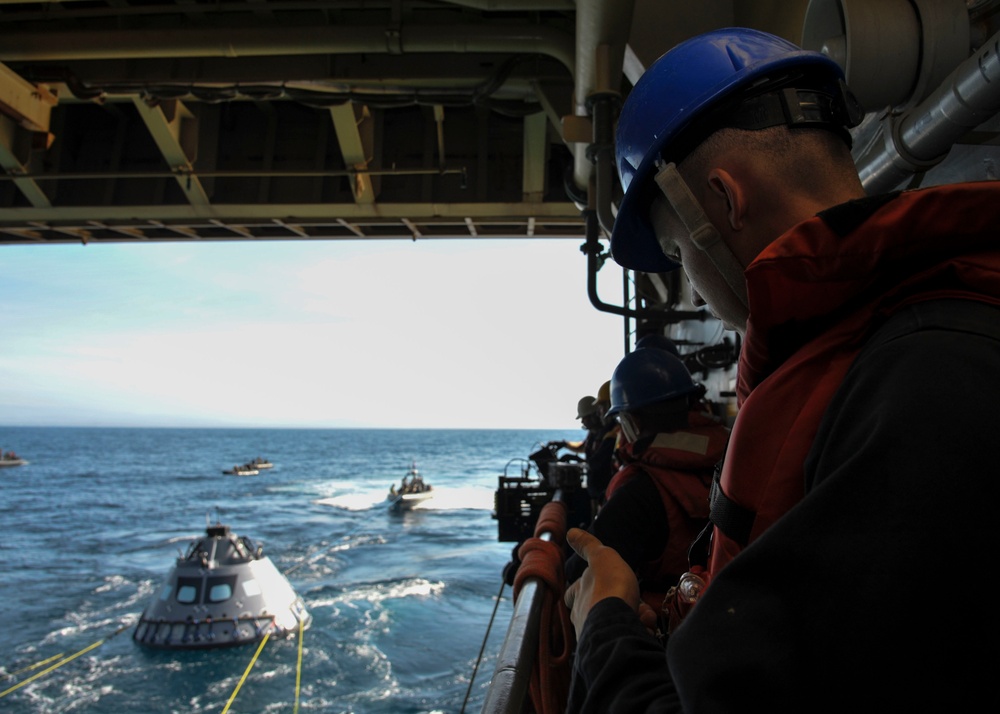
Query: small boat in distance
x,y
412,491
9,458
260,463
244,470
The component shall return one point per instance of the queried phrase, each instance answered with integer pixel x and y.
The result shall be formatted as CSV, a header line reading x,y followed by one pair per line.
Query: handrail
x,y
512,675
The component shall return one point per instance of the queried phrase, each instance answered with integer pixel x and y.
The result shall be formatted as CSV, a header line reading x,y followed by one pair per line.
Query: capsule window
x,y
220,589
188,590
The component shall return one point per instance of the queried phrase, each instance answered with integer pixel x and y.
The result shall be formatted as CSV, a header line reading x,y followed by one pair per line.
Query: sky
x,y
449,333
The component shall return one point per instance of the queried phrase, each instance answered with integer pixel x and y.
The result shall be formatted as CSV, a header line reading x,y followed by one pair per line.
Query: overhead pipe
x,y
604,107
261,173
514,5
921,137
491,5
599,23
269,42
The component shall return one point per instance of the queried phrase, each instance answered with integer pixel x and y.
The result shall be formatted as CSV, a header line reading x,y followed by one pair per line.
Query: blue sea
x,y
90,528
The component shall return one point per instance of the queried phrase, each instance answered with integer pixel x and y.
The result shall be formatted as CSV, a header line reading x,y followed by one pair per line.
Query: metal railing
x,y
512,675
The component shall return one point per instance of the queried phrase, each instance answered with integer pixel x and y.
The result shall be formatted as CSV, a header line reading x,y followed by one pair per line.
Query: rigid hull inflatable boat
x,y
412,491
223,592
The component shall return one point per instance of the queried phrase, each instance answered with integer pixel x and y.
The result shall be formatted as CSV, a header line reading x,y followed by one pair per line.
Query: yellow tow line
x,y
95,645
36,665
60,663
298,669
247,672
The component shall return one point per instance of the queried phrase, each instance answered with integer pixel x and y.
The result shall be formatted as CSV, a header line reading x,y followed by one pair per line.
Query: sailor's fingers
x,y
579,598
647,616
571,592
585,544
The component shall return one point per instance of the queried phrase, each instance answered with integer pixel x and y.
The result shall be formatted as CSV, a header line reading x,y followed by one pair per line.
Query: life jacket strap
x,y
734,520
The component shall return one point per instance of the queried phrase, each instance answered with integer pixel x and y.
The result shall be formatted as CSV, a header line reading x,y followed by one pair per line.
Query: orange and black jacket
x,y
862,460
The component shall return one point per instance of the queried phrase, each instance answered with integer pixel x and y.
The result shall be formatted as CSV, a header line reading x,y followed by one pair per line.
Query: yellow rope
x,y
298,668
249,667
57,665
30,667
66,660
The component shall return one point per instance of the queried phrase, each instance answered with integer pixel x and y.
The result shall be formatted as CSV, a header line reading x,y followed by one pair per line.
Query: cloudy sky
x,y
435,333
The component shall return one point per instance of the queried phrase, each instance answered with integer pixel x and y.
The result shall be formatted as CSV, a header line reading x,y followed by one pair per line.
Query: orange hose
x,y
543,560
553,520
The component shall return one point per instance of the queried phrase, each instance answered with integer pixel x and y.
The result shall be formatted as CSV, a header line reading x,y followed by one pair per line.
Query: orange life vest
x,y
680,464
816,294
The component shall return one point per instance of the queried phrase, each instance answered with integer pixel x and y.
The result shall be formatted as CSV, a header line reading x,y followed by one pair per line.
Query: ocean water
x,y
90,528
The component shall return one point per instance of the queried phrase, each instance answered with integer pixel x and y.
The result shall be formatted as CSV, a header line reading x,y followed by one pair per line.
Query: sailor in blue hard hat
x,y
731,78
862,318
658,341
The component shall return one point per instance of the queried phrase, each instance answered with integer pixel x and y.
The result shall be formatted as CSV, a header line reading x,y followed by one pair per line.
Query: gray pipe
x,y
134,44
921,137
598,22
602,151
492,5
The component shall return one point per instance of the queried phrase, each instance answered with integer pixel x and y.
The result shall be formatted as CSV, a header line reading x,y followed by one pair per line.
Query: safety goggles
x,y
703,235
630,428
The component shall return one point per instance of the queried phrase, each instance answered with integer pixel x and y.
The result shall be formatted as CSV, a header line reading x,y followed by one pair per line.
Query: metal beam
x,y
299,222
279,41
439,122
356,136
175,130
15,144
505,212
29,105
534,157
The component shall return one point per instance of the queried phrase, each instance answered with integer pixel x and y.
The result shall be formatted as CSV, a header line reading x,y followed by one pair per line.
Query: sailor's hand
x,y
648,617
607,575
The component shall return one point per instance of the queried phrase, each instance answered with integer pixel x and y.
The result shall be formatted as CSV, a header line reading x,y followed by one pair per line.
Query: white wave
x,y
111,582
377,593
443,498
358,501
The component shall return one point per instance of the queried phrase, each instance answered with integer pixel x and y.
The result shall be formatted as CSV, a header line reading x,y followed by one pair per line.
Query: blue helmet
x,y
648,376
677,93
658,341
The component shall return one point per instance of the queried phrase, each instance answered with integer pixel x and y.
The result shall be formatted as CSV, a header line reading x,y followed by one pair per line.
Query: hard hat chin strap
x,y
704,235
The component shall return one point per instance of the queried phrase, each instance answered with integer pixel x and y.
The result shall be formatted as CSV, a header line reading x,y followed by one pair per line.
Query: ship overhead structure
x,y
192,120
169,120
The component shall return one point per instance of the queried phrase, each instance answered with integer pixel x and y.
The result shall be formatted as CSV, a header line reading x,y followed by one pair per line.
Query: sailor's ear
x,y
726,188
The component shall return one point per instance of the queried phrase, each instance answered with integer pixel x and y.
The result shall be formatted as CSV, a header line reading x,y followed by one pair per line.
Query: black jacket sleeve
x,y
619,666
633,522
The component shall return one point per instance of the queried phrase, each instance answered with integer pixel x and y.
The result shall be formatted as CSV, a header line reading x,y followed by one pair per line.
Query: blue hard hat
x,y
648,376
683,85
658,341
